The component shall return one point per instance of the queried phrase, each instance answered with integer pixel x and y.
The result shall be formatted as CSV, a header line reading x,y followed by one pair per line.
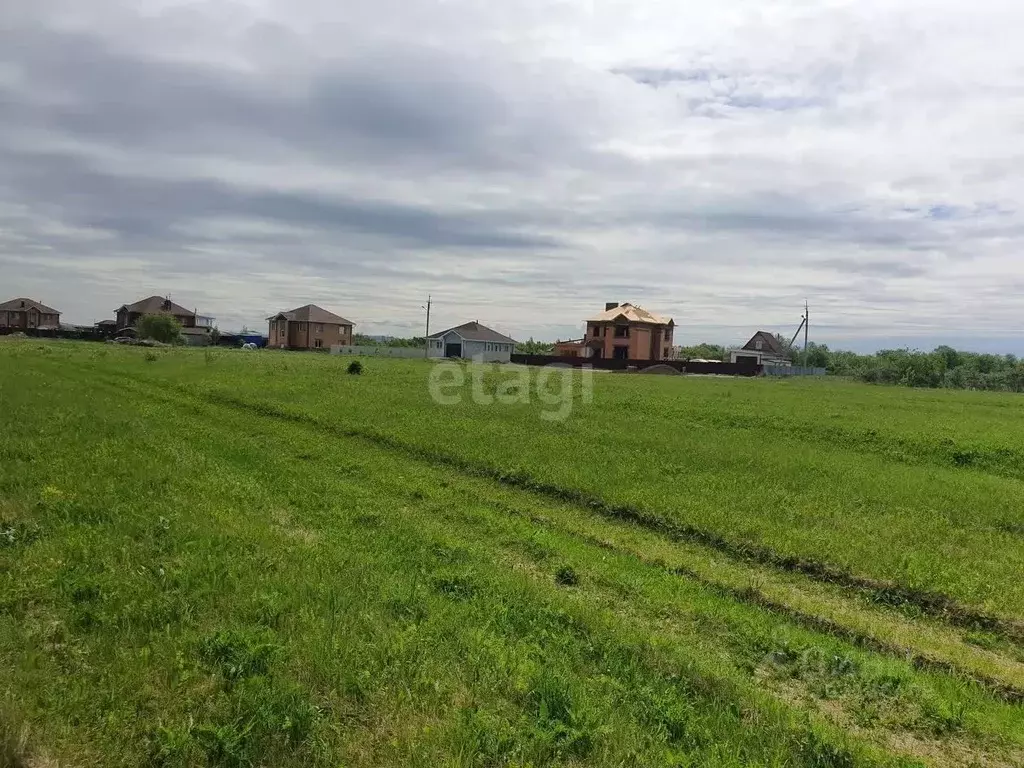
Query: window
x,y
758,344
621,331
318,343
596,330
302,326
319,328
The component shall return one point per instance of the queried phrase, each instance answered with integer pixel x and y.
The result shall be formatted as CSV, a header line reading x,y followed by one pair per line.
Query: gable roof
x,y
474,331
15,305
157,305
769,343
632,314
311,313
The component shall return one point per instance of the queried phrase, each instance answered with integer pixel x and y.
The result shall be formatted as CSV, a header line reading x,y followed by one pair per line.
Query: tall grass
x,y
187,582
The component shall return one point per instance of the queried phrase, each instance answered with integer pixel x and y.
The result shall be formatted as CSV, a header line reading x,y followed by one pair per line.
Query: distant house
x,y
128,315
762,349
197,337
472,340
628,332
309,327
570,348
28,313
106,328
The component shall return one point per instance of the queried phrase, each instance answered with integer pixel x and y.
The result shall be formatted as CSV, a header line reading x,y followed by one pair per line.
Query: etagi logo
x,y
557,387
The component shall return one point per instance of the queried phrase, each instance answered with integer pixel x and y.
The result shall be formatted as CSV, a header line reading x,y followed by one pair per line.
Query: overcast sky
x,y
523,162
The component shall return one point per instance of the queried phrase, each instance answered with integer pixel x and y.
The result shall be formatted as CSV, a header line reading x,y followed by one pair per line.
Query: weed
x,y
566,576
19,533
455,586
237,654
355,368
943,718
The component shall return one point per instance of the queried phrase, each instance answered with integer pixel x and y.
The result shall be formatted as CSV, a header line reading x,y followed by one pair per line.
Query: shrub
x,y
566,576
355,368
162,328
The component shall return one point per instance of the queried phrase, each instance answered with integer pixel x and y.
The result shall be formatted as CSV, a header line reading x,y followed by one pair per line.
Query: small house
x,y
472,340
762,349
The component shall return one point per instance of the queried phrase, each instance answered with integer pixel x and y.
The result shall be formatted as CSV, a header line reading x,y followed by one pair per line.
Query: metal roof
x,y
157,305
474,331
632,314
23,305
311,313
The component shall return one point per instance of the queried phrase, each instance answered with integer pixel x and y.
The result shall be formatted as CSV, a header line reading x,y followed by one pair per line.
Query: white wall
x,y
489,352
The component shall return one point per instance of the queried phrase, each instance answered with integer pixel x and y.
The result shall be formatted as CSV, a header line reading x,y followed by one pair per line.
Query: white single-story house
x,y
471,340
762,349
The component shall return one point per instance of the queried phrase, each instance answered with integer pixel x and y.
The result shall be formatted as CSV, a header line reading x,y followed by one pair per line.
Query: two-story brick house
x,y
628,332
28,313
309,327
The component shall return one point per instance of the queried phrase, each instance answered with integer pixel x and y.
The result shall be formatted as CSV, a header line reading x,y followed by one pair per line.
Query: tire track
x,y
749,595
880,592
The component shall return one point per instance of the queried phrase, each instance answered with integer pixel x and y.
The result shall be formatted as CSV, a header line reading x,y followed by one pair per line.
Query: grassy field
x,y
229,558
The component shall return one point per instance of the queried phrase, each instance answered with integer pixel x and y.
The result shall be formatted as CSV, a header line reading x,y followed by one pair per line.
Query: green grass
x,y
257,559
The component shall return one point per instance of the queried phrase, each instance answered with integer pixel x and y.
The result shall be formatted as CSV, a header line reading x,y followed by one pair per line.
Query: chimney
x,y
610,305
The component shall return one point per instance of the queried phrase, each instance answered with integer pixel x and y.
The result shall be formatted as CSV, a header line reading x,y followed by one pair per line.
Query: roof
x,y
474,331
769,343
157,305
20,304
311,313
632,314
105,323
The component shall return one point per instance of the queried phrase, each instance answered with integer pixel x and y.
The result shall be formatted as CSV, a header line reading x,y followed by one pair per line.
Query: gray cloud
x,y
517,165
141,208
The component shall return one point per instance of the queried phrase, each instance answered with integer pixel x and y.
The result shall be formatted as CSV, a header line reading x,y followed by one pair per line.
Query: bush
x,y
163,328
566,576
355,368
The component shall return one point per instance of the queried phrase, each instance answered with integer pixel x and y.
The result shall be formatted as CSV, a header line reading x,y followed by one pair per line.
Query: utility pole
x,y
807,325
426,336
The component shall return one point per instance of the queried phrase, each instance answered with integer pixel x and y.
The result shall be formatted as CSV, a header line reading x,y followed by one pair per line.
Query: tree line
x,y
944,366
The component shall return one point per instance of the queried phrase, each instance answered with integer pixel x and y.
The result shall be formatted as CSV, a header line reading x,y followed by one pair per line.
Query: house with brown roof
x,y
472,340
309,327
128,315
28,313
762,349
628,332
